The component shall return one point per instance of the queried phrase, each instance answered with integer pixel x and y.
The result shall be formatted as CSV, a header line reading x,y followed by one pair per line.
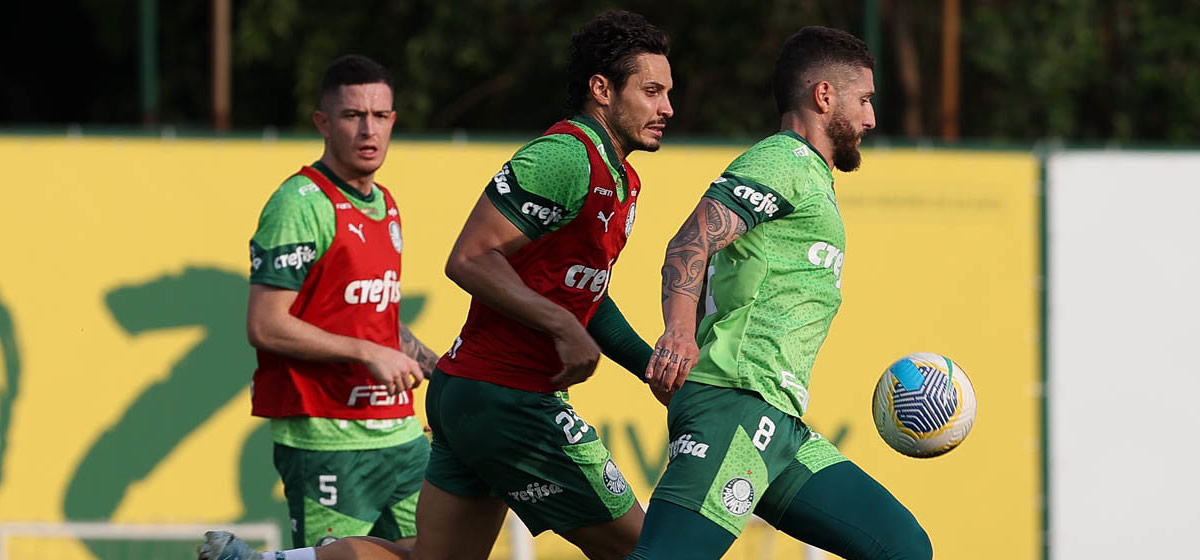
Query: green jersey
x,y
295,229
771,295
544,185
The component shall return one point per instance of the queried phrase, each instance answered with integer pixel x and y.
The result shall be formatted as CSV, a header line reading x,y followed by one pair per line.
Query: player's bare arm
x,y
479,264
271,327
416,349
711,227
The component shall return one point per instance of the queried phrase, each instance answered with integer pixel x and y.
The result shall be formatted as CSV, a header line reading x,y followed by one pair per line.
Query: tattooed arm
x,y
417,350
711,227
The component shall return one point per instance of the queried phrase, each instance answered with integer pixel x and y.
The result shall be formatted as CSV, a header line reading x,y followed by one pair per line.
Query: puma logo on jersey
x,y
764,203
825,255
357,231
379,291
605,219
545,214
376,395
501,180
587,278
685,446
534,492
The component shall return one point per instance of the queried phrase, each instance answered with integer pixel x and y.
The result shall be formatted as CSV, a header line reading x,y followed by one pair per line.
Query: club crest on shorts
x,y
325,541
397,239
738,496
613,479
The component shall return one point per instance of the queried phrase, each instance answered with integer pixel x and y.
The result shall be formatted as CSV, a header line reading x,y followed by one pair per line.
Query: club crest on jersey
x,y
397,238
614,481
629,219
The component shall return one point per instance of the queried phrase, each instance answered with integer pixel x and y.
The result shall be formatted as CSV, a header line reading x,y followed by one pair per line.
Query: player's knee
x,y
912,543
901,539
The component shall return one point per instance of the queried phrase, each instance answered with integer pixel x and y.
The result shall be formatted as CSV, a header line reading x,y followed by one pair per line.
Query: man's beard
x,y
846,157
629,131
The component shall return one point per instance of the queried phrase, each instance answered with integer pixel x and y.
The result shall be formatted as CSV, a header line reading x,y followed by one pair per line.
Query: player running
x,y
537,255
335,364
761,259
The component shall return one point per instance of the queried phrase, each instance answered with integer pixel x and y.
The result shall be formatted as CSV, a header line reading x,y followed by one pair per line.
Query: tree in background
x,y
1082,70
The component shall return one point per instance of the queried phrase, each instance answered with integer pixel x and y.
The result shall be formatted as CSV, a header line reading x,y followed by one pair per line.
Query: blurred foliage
x,y
1075,69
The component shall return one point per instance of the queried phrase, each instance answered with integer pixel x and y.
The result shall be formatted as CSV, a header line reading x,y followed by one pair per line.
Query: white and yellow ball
x,y
924,405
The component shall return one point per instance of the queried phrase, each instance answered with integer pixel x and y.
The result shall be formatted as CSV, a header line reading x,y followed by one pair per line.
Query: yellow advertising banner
x,y
125,394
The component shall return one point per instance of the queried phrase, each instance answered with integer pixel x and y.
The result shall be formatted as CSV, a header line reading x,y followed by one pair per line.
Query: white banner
x,y
1124,281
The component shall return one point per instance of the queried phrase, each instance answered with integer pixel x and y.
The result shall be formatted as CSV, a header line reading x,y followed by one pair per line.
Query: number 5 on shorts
x,y
325,483
762,438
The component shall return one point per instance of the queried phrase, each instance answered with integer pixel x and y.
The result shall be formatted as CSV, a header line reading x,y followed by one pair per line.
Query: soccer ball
x,y
924,405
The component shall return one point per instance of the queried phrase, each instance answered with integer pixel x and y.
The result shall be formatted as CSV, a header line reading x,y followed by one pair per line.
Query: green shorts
x,y
530,449
347,493
731,454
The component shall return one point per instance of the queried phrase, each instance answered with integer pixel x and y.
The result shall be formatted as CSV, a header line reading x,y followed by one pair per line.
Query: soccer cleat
x,y
223,545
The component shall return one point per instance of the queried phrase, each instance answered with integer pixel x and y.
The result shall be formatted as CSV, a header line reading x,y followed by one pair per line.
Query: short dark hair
x,y
814,49
352,70
609,45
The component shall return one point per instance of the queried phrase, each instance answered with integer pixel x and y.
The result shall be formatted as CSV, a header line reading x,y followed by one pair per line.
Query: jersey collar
x,y
344,186
795,135
610,152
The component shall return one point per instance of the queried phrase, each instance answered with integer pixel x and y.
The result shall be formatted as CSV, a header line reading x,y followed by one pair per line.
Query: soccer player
x,y
537,254
760,262
336,367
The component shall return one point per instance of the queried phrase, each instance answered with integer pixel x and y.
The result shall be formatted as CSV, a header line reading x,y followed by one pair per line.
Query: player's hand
x,y
674,355
579,355
393,369
663,397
